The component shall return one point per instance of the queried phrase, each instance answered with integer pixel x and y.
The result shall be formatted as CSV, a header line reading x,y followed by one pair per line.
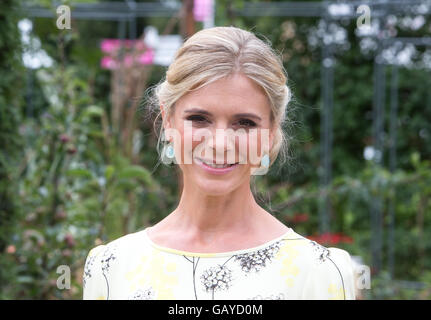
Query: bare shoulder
x,y
270,227
164,234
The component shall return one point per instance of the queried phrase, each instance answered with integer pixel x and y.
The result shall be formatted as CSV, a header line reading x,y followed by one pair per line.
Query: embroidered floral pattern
x,y
140,294
271,297
257,260
321,251
87,268
107,258
217,278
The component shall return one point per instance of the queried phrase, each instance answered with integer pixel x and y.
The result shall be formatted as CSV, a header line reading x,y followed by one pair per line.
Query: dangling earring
x,y
264,162
264,165
168,154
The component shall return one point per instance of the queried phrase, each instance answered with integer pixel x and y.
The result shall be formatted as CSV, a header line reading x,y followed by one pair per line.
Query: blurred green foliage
x,y
10,141
66,183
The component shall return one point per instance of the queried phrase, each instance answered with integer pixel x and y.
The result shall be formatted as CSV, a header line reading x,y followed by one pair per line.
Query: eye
x,y
247,123
197,119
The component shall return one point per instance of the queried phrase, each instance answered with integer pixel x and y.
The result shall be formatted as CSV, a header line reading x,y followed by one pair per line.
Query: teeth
x,y
217,165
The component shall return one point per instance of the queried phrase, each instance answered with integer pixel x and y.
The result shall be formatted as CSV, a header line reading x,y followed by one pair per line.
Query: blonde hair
x,y
218,52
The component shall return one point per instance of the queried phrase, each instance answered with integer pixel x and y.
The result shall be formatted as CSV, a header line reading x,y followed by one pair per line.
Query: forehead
x,y
232,94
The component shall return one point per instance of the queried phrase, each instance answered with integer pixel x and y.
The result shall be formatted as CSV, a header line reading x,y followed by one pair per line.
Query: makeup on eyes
x,y
200,116
243,122
207,113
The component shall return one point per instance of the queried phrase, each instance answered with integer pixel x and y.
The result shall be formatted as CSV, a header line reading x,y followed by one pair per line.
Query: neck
x,y
207,216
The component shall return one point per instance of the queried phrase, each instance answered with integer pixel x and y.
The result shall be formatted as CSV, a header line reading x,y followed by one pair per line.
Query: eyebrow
x,y
238,115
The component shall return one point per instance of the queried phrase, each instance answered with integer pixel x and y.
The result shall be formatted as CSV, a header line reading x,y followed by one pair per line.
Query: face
x,y
228,123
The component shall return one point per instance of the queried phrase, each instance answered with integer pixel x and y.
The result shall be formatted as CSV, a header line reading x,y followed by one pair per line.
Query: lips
x,y
216,165
215,169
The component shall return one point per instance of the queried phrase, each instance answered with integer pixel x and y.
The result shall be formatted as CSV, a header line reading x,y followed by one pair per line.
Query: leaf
x,y
136,172
95,134
415,159
25,279
109,172
94,111
79,173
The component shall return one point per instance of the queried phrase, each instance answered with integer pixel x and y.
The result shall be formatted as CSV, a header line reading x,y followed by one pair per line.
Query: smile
x,y
215,168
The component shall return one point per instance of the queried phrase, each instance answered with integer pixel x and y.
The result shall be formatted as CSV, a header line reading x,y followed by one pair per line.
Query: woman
x,y
224,96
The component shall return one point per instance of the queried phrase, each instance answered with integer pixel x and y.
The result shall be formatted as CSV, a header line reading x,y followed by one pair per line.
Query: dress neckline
x,y
213,254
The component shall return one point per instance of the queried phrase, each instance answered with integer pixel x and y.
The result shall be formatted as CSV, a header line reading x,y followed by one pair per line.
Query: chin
x,y
217,185
212,188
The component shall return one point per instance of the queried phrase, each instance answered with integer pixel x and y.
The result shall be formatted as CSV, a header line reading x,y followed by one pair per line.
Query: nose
x,y
223,140
222,143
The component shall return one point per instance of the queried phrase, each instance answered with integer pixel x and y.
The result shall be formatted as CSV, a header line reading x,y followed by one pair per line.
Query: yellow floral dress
x,y
288,267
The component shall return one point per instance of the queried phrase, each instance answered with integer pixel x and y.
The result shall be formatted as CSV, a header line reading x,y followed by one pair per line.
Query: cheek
x,y
195,144
185,145
188,146
258,144
182,140
242,147
199,146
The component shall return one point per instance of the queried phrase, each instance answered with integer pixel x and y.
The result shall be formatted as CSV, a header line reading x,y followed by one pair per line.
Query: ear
x,y
166,121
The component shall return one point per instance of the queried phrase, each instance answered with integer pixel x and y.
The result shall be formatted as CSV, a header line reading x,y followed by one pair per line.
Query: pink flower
x,y
147,57
70,241
11,249
64,138
139,45
110,45
108,63
202,9
129,43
